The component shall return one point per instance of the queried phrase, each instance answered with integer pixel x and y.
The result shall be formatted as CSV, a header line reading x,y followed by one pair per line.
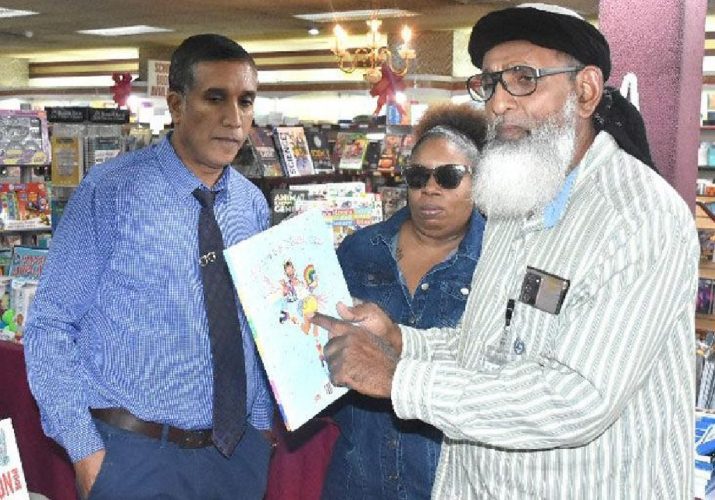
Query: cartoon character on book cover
x,y
283,276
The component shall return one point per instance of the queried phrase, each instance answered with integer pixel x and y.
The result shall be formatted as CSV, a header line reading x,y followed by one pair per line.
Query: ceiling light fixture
x,y
354,15
124,30
374,54
313,30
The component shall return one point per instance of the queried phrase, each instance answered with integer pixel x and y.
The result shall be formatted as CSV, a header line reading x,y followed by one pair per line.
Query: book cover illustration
x,y
372,155
390,152
352,151
282,203
67,161
319,150
283,275
331,189
247,162
262,142
24,206
295,153
405,152
393,199
28,262
24,138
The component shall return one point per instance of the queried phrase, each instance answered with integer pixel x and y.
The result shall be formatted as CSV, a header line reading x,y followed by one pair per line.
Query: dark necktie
x,y
229,374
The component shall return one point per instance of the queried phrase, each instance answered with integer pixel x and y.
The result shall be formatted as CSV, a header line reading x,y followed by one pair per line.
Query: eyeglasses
x,y
448,176
519,81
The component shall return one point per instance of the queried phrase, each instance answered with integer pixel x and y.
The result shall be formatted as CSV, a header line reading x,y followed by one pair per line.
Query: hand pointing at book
x,y
363,350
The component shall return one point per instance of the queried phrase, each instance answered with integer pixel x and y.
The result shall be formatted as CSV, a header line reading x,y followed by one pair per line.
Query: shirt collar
x,y
178,174
555,210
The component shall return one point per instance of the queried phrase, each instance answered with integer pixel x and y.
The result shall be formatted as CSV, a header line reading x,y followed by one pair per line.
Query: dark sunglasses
x,y
447,176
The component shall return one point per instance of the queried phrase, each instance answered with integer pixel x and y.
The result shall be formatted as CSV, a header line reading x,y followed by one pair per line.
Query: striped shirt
x,y
119,318
595,402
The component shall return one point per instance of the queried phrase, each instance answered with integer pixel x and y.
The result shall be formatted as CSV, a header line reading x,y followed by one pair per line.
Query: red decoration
x,y
122,88
385,89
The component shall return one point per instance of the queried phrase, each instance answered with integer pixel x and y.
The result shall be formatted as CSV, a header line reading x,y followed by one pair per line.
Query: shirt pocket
x,y
376,286
531,331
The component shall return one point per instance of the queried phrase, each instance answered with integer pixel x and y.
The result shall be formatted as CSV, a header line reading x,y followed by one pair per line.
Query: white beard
x,y
516,178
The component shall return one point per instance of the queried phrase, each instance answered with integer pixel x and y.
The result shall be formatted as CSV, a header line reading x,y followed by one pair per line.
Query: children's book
x,y
283,276
24,206
12,478
352,150
28,262
282,202
391,146
294,152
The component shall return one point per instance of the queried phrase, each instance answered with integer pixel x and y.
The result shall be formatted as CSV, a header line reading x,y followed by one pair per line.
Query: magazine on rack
x,y
283,276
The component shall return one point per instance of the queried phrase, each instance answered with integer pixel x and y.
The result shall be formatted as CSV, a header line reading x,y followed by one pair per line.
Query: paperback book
x,y
319,150
262,142
294,152
283,276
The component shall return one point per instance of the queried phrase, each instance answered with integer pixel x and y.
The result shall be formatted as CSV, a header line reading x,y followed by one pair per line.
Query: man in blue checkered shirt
x,y
117,347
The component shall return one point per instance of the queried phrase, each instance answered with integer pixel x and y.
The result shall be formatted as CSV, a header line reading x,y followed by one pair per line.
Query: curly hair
x,y
461,124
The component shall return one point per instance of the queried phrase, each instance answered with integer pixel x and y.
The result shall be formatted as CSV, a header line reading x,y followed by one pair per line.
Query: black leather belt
x,y
121,418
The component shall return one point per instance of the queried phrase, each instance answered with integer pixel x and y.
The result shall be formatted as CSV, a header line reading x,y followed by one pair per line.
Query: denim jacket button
x,y
465,291
424,286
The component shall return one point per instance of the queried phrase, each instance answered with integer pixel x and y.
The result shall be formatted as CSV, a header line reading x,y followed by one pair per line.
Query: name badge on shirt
x,y
544,291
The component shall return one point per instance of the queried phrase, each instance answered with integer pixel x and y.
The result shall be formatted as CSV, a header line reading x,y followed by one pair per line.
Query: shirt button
x,y
424,286
464,291
392,477
392,443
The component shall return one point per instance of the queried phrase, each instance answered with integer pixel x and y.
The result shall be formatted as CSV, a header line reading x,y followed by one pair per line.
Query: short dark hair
x,y
463,125
202,48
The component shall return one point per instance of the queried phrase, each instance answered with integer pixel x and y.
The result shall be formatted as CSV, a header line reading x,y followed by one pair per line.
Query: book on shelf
x,y
294,151
24,138
25,206
319,150
67,161
264,146
345,214
283,276
391,145
372,155
247,161
351,147
393,199
330,189
282,202
403,157
28,262
704,302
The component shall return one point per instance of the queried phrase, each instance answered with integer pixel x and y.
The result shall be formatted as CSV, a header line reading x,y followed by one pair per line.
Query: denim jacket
x,y
377,455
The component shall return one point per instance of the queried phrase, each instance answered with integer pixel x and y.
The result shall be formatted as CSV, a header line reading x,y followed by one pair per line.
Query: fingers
x,y
334,326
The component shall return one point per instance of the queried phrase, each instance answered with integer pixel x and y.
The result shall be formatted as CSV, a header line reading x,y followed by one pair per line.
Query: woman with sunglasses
x,y
418,267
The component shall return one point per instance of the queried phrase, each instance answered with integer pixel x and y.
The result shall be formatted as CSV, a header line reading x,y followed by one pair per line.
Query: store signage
x,y
12,478
157,81
66,114
108,115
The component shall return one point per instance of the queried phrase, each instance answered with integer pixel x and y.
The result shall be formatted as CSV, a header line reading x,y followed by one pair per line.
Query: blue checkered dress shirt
x,y
119,318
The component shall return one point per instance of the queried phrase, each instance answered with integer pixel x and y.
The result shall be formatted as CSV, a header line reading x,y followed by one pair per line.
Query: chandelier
x,y
371,57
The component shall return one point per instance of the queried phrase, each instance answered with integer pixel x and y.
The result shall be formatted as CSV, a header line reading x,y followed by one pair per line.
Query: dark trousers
x,y
139,467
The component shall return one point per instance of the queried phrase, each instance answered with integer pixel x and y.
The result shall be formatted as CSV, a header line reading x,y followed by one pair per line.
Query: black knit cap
x,y
563,32
576,37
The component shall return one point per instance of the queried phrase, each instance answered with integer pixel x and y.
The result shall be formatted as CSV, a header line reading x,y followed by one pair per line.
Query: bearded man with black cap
x,y
571,374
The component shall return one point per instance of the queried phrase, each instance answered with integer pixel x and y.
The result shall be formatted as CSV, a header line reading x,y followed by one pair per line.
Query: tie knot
x,y
205,197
